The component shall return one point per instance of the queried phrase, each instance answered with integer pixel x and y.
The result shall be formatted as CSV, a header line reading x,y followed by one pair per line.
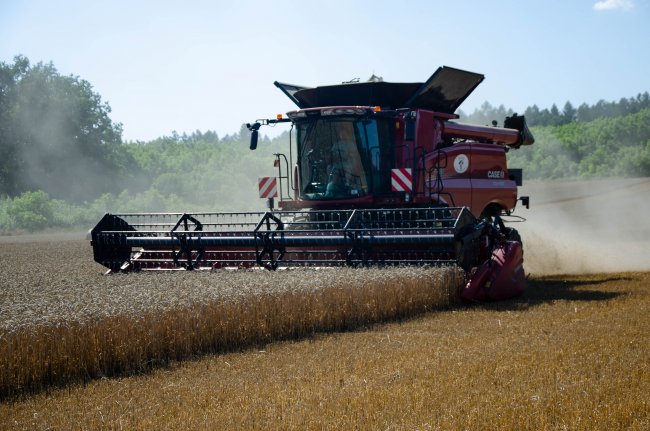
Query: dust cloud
x,y
577,227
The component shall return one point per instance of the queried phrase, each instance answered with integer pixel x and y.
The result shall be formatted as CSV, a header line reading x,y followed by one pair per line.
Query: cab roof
x,y
444,91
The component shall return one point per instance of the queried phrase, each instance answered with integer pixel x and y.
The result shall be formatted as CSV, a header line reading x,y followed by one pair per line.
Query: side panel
x,y
490,179
472,174
454,181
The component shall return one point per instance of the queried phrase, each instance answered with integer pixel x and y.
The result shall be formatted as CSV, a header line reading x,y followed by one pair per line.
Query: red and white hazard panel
x,y
268,187
401,180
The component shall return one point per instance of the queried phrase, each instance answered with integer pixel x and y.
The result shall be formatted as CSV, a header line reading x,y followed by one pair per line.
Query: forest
x,y
64,162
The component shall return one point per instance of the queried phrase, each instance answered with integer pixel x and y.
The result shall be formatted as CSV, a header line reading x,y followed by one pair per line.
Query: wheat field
x,y
60,326
572,353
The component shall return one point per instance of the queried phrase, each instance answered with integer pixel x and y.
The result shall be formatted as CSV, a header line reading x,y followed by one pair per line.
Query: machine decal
x,y
461,163
268,187
496,174
401,180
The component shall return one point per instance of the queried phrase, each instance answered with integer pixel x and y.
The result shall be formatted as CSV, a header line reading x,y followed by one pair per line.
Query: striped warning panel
x,y
268,187
401,180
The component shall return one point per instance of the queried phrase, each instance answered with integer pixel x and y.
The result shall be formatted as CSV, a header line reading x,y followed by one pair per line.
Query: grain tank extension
x,y
375,173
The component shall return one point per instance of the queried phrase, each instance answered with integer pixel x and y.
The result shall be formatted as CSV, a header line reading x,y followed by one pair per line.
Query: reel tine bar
x,y
278,238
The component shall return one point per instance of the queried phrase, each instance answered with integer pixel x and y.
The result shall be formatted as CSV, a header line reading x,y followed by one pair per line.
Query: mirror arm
x,y
255,127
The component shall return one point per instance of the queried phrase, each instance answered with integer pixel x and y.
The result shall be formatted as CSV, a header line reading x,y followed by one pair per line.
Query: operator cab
x,y
347,148
378,144
342,156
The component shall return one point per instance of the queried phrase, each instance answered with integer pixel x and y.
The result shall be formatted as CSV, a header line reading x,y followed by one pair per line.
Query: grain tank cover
x,y
385,94
444,91
289,90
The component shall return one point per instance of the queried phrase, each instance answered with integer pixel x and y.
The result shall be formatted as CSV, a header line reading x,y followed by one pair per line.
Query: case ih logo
x,y
401,180
268,187
496,174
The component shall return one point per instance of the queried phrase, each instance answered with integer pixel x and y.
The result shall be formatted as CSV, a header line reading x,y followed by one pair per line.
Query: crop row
x,y
54,335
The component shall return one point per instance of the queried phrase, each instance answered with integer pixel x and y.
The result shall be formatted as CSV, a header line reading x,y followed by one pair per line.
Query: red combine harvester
x,y
381,176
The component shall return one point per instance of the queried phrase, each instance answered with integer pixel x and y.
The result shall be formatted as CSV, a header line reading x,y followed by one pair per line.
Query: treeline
x,y
56,136
63,161
615,146
584,113
178,173
203,171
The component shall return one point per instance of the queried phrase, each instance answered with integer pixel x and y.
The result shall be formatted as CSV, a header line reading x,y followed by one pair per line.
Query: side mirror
x,y
254,134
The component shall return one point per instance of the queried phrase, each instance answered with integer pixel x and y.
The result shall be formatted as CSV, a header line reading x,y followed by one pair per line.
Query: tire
x,y
491,211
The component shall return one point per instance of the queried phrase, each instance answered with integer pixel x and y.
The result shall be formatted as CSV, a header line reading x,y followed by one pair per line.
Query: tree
x,y
555,117
584,113
9,174
532,115
568,113
56,134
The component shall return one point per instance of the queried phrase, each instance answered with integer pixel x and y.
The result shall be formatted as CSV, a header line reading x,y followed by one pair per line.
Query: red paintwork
x,y
475,188
501,277
471,167
486,159
494,134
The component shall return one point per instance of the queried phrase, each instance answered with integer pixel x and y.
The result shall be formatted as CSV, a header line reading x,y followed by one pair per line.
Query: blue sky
x,y
210,65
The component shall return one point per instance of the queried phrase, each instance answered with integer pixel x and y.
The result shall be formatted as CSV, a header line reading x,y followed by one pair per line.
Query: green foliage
x,y
616,146
486,114
64,163
634,161
30,211
177,174
207,173
535,116
55,134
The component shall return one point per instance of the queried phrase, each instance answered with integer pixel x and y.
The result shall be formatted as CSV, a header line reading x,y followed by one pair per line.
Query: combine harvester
x,y
376,173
